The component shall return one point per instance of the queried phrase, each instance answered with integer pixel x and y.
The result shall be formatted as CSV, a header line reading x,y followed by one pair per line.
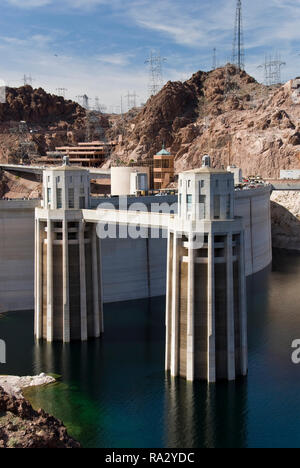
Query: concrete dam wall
x,y
132,269
17,254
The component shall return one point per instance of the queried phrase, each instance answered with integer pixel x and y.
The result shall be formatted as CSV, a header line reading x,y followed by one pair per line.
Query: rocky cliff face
x,y
225,113
23,427
285,209
38,107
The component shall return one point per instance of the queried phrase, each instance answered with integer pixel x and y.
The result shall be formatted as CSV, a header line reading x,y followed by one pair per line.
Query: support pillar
x,y
66,285
211,329
83,303
38,281
190,351
168,300
100,285
49,281
95,283
230,310
175,309
243,308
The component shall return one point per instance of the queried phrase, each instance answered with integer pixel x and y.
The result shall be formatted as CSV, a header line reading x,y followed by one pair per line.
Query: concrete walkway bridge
x,y
95,173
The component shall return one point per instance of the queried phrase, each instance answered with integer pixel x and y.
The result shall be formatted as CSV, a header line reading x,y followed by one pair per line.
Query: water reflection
x,y
201,415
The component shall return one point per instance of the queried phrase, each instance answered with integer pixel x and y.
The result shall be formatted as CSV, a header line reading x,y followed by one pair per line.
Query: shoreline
x,y
21,426
14,385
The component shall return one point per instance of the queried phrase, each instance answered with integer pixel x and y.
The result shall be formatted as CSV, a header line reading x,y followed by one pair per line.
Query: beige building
x,y
86,154
163,171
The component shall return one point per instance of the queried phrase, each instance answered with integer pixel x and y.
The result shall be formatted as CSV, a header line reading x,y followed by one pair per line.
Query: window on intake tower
x,y
71,198
59,198
49,196
202,211
217,206
189,201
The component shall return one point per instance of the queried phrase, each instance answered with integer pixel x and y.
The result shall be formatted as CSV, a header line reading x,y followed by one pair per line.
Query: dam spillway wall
x,y
132,269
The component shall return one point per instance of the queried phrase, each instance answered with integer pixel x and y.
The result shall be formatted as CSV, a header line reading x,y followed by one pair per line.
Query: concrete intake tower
x,y
206,314
206,317
68,293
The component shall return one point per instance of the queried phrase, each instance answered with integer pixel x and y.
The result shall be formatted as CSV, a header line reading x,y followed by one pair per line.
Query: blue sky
x,y
99,47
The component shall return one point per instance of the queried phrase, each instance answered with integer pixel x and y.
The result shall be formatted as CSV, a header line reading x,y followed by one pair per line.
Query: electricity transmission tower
x,y
99,107
214,63
97,104
27,80
92,126
238,52
61,92
26,147
272,69
84,101
155,62
131,100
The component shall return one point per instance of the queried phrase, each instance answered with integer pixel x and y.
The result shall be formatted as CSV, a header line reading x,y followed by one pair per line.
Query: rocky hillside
x,y
14,186
225,113
50,121
23,427
35,106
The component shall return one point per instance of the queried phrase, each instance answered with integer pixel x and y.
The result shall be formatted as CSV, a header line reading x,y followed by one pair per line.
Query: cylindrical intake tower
x,y
68,293
206,321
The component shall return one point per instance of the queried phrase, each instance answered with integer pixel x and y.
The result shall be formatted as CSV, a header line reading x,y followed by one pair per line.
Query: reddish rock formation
x,y
223,112
52,121
38,107
23,427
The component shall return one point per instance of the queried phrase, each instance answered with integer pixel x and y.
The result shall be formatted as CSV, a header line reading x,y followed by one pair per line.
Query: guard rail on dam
x,y
132,269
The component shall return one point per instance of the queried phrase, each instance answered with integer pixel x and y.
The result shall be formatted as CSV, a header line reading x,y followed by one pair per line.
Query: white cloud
x,y
82,4
29,3
187,29
115,59
107,79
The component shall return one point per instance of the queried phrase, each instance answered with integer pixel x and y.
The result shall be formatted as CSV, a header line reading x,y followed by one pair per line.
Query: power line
x,y
155,62
238,52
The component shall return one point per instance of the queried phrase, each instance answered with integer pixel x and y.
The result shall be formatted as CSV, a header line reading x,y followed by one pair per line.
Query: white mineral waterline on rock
x,y
13,385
